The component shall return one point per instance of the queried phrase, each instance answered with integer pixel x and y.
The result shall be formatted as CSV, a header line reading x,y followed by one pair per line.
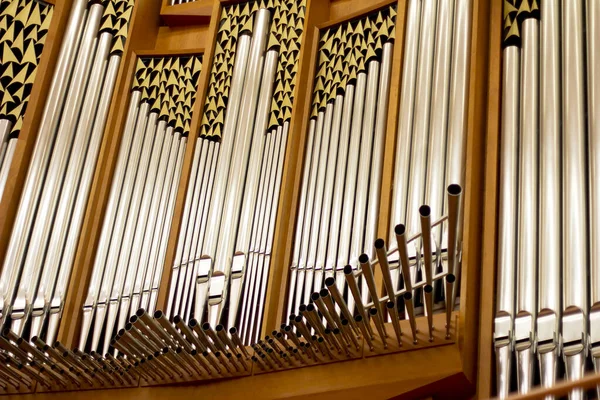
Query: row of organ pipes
x,y
23,30
223,253
218,281
337,219
128,264
42,245
548,288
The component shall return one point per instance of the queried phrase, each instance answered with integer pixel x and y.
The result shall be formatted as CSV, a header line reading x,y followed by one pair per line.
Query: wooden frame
x,y
486,380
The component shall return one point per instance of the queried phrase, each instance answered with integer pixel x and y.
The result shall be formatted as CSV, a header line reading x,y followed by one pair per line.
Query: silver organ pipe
x,y
221,267
548,59
507,223
593,102
527,204
60,175
127,270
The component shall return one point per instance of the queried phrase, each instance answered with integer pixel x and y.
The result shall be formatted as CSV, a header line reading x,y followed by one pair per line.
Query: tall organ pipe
x,y
575,256
549,246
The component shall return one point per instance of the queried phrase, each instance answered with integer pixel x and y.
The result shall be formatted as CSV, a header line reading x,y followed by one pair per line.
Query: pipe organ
x,y
23,31
41,249
130,258
312,196
545,323
223,252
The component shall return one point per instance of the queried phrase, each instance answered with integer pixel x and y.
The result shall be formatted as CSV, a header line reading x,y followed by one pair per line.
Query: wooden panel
x,y
203,82
183,37
29,131
485,381
195,12
353,9
317,12
389,153
142,34
473,191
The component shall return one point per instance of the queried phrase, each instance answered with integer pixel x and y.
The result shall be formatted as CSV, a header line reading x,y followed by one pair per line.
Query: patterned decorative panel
x,y
23,29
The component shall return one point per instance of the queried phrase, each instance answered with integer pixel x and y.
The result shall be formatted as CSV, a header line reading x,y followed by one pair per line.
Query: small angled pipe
x,y
202,337
450,279
238,342
428,289
393,312
318,301
379,325
363,327
339,299
353,286
222,334
410,310
213,336
189,335
164,322
365,266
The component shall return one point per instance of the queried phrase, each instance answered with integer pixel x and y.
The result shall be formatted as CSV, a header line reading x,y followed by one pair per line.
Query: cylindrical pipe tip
x,y
425,211
206,326
324,292
177,319
428,288
140,312
233,330
363,258
358,318
219,328
454,189
302,308
390,304
310,307
373,311
450,278
329,282
379,243
133,319
193,322
407,296
315,296
158,314
348,269
400,229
